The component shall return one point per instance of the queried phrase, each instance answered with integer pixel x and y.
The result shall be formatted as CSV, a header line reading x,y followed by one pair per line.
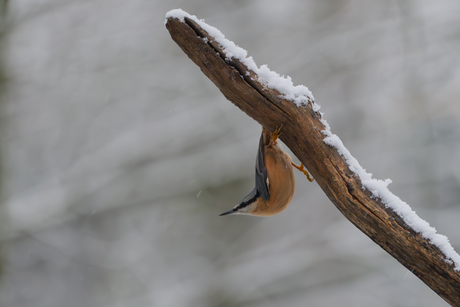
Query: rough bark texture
x,y
302,134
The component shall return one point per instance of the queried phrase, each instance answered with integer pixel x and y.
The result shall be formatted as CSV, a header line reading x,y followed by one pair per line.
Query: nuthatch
x,y
275,183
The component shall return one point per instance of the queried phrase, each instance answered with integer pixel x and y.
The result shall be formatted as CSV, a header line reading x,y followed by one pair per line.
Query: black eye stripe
x,y
247,202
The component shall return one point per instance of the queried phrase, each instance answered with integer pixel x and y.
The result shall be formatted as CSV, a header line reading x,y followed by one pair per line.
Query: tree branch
x,y
302,133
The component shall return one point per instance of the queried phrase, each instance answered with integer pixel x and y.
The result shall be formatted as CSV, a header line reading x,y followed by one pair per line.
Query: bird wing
x,y
262,184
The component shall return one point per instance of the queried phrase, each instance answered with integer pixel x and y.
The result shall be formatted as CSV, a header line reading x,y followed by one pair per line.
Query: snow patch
x,y
379,189
299,94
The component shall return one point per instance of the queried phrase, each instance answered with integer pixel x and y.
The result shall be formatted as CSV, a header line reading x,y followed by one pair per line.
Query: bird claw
x,y
275,135
303,170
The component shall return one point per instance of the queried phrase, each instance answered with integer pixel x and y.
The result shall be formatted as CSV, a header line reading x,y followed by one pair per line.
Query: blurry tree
x,y
3,80
117,155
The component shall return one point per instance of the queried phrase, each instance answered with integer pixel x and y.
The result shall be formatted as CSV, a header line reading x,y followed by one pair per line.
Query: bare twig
x,y
302,128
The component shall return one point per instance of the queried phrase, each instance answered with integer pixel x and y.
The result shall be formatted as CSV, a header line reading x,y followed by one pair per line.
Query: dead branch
x,y
302,134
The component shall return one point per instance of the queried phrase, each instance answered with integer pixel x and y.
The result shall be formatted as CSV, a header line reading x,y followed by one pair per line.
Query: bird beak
x,y
228,212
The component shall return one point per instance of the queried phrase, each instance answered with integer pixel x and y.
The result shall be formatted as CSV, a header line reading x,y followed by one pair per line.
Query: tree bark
x,y
301,132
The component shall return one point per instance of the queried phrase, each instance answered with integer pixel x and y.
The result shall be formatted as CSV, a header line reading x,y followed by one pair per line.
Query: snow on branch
x,y
273,100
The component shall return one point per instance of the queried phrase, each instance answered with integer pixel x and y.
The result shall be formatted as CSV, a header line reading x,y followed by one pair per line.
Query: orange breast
x,y
281,181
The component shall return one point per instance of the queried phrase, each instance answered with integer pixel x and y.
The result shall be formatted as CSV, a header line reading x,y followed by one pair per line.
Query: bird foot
x,y
275,135
303,170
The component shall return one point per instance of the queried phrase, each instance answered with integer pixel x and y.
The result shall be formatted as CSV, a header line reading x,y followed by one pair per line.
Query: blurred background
x,y
117,154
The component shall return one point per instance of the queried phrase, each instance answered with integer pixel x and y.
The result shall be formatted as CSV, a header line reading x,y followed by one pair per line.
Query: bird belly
x,y
281,179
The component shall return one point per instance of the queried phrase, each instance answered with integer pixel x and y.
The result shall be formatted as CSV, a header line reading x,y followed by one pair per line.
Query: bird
x,y
275,183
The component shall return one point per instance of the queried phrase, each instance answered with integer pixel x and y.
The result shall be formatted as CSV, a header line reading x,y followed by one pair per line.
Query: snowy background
x,y
117,154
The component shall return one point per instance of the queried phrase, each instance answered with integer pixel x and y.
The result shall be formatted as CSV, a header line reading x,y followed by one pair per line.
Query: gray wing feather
x,y
262,184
